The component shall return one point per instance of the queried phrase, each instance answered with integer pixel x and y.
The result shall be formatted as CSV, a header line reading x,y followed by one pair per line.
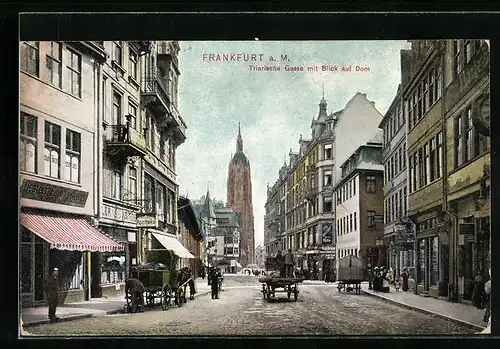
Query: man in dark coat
x,y
52,292
289,263
135,288
477,293
405,276
214,283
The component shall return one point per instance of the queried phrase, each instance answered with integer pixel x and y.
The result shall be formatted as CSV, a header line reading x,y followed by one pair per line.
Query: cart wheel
x,y
166,298
179,297
150,299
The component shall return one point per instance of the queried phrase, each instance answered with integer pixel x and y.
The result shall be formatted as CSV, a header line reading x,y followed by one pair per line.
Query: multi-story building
x,y
204,210
164,131
191,235
59,136
466,162
123,147
260,256
359,205
273,230
308,180
398,232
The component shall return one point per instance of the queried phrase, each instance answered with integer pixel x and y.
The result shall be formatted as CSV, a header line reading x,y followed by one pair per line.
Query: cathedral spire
x,y
239,141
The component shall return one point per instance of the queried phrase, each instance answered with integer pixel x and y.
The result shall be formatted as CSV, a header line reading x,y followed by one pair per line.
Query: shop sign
x,y
146,221
41,191
327,234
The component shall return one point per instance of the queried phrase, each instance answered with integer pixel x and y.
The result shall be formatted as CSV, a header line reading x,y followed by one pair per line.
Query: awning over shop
x,y
67,232
171,243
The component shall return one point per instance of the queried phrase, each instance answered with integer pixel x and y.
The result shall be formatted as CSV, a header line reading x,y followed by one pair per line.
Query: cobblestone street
x,y
241,310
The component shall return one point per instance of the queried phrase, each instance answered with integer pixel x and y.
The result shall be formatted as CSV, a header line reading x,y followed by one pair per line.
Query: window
x,y
370,184
132,184
132,111
160,202
355,222
327,204
104,101
469,136
117,109
171,207
410,175
116,188
467,51
405,210
457,58
72,160
400,204
327,151
132,64
439,158
118,53
349,185
396,200
432,78
29,57
28,143
437,85
400,156
327,177
404,155
354,186
389,217
371,219
391,169
350,223
434,256
52,149
425,163
459,155
74,73
432,160
421,261
54,63
148,193
228,239
426,94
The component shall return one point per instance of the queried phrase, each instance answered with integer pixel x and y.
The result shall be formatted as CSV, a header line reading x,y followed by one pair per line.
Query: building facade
x,y
239,198
58,169
359,206
191,235
398,231
260,256
466,163
308,180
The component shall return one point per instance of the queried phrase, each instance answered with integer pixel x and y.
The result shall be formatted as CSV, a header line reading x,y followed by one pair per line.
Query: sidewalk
x,y
457,312
95,307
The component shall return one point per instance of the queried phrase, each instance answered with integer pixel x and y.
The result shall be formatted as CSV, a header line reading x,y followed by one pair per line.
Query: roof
x,y
240,158
186,205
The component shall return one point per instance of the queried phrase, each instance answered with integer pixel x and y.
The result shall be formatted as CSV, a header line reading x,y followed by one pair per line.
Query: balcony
x,y
154,96
123,141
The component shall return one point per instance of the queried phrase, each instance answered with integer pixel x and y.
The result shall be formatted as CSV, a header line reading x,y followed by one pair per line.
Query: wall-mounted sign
x,y
146,221
327,234
41,191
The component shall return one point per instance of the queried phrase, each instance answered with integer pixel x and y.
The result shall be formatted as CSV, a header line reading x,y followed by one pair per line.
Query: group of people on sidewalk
x,y
481,294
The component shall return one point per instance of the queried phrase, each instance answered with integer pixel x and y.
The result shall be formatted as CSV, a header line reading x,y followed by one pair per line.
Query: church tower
x,y
239,198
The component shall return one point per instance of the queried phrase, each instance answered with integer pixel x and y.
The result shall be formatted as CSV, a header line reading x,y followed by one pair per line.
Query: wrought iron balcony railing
x,y
125,141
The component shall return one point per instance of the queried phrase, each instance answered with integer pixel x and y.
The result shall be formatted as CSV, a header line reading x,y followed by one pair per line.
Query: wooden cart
x,y
277,282
351,274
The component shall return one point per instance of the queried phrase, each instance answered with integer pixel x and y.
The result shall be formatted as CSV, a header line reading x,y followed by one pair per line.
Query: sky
x,y
273,107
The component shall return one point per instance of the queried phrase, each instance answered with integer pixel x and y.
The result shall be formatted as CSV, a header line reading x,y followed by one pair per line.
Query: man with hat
x,y
52,291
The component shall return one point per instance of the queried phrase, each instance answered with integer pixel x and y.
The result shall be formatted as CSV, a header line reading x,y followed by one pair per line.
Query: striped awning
x,y
171,243
68,232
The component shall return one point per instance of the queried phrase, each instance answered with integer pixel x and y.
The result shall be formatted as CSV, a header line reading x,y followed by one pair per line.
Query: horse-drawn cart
x,y
351,274
157,281
276,281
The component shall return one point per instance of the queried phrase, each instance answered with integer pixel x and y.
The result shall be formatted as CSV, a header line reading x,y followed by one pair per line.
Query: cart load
x,y
350,274
160,281
276,281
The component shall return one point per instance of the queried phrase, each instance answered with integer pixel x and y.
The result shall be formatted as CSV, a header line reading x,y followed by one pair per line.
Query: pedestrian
x,y
214,284
385,280
192,289
405,276
478,290
375,279
52,292
390,274
487,290
289,263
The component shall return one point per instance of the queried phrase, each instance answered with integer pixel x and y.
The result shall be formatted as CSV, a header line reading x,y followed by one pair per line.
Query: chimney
x,y
405,67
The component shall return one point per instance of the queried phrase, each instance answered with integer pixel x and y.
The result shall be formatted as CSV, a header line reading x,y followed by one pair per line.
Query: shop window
x,y
434,261
72,159
28,143
112,268
52,149
29,57
70,265
421,261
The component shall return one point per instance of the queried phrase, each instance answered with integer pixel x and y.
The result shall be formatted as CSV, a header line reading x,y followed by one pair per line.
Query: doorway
x,y
95,275
39,269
